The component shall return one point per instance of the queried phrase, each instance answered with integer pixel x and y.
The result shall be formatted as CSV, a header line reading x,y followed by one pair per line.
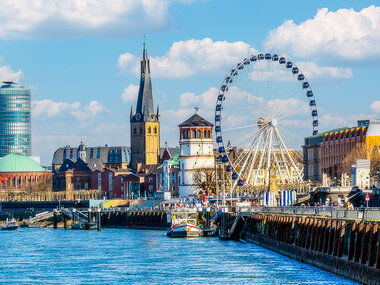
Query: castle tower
x,y
145,124
196,152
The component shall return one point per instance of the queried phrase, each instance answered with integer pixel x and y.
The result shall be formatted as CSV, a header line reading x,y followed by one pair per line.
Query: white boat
x,y
184,224
11,225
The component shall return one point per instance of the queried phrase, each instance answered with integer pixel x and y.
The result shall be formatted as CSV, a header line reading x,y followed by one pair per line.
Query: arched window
x,y
140,130
194,134
155,130
134,131
184,133
205,134
149,130
188,134
199,134
208,134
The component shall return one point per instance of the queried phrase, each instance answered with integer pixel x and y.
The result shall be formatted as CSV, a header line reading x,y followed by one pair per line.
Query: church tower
x,y
145,124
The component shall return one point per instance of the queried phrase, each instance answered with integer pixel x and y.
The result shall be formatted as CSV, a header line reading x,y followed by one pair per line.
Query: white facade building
x,y
196,152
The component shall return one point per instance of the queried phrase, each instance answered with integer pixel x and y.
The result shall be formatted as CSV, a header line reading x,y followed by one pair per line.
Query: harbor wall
x,y
135,219
349,248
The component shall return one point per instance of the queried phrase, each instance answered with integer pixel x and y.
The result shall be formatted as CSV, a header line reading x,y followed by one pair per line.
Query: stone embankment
x,y
348,247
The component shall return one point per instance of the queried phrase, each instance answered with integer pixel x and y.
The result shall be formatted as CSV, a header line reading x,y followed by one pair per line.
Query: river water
x,y
126,256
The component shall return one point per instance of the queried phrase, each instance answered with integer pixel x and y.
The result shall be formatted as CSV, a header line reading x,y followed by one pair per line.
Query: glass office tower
x,y
15,119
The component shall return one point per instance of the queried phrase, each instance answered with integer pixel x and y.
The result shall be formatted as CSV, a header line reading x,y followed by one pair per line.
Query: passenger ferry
x,y
184,224
11,225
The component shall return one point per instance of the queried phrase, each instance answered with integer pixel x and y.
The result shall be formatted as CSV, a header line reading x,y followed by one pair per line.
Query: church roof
x,y
144,106
195,120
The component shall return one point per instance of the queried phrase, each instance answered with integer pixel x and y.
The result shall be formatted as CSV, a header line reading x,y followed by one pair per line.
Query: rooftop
x,y
17,162
195,120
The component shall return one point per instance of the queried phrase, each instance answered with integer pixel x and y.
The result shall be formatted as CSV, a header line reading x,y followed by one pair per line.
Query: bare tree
x,y
204,179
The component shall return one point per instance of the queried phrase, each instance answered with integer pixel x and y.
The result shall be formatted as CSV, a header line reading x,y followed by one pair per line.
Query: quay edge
x,y
350,248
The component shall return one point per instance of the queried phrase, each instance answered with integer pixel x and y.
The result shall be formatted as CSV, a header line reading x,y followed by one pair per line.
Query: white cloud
x,y
52,108
325,74
375,106
206,99
344,34
186,58
44,18
93,109
7,74
312,71
130,93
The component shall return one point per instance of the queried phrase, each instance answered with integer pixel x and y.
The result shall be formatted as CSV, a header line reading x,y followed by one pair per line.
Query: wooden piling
x,y
341,234
366,233
358,243
55,219
351,249
326,236
336,237
331,237
372,250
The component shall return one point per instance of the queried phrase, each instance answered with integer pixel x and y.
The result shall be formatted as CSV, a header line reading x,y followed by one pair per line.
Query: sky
x,y
80,59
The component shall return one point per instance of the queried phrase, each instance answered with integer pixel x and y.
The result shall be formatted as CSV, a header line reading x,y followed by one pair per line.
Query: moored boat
x,y
184,224
11,225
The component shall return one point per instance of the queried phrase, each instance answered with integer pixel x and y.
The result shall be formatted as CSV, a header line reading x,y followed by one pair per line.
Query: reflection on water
x,y
114,256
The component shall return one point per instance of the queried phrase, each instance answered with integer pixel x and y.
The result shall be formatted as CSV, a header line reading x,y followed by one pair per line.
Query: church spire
x,y
144,108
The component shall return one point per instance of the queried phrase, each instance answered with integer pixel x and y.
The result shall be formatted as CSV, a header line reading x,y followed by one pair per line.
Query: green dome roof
x,y
17,162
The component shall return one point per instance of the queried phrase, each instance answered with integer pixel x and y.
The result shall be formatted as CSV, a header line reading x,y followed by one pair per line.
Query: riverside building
x,y
15,119
323,153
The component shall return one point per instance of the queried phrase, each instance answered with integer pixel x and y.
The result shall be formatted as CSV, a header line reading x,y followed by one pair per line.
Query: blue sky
x,y
79,58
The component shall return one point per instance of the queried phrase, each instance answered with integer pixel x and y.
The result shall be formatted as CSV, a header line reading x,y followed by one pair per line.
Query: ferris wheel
x,y
264,109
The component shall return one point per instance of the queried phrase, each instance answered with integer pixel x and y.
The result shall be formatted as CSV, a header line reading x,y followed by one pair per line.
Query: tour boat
x,y
183,224
11,225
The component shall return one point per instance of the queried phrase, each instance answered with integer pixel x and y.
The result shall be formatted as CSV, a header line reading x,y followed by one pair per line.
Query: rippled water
x,y
124,256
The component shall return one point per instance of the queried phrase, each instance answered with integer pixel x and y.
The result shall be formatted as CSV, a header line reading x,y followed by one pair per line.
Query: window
x,y
208,134
205,134
134,131
92,153
149,130
117,155
64,155
98,153
194,134
110,184
155,130
71,153
111,156
150,187
173,177
150,179
199,134
99,181
141,131
77,153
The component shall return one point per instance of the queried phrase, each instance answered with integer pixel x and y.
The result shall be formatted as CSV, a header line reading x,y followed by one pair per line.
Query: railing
x,y
334,212
40,217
